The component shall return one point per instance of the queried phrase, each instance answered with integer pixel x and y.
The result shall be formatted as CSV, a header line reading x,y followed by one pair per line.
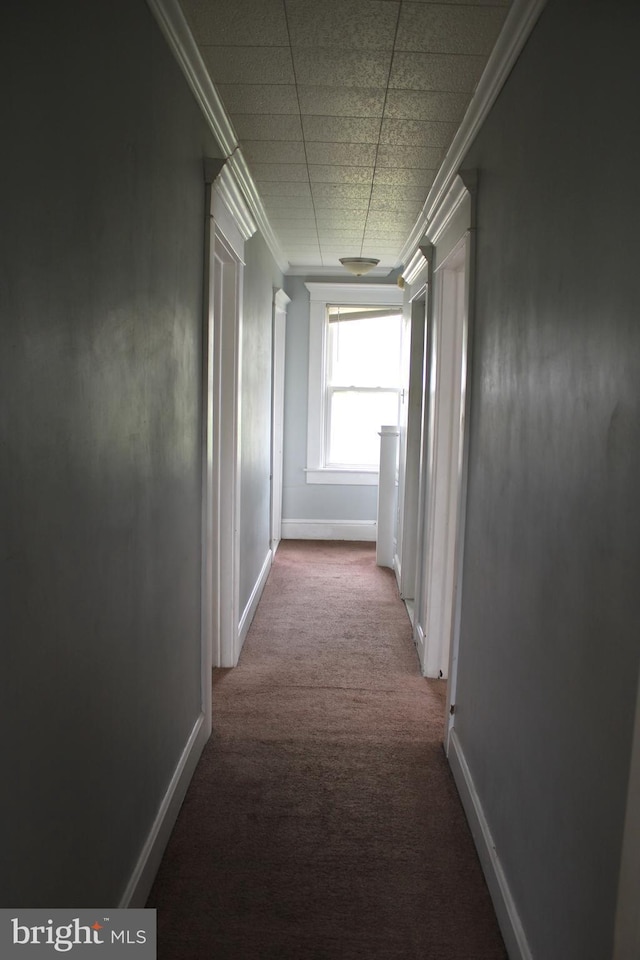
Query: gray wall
x,y
100,481
302,500
549,650
261,278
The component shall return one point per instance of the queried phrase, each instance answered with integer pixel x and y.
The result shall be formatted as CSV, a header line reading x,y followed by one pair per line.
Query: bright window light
x,y
362,382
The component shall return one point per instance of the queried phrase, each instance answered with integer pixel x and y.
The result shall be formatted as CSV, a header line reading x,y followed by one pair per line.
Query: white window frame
x,y
322,294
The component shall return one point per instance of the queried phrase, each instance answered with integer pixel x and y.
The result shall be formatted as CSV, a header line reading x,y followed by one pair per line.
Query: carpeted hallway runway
x,y
322,822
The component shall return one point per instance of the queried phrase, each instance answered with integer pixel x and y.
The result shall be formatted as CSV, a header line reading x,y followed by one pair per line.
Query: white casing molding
x,y
329,530
503,902
146,867
175,28
252,604
519,22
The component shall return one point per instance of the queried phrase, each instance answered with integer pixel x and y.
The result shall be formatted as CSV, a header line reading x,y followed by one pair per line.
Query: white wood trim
x,y
360,478
141,880
358,293
208,477
519,22
329,530
278,361
230,192
173,24
506,911
252,604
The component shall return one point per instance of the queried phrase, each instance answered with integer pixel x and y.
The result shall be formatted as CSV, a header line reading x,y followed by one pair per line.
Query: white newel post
x,y
387,495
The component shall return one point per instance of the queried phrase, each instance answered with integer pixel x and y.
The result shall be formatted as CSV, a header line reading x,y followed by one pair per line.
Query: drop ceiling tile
x,y
282,205
286,225
244,64
243,23
443,28
339,233
426,105
337,102
342,154
341,129
399,193
346,24
272,127
389,219
334,68
342,190
259,97
395,155
404,177
417,133
278,151
327,173
409,207
276,189
337,203
428,71
342,215
279,171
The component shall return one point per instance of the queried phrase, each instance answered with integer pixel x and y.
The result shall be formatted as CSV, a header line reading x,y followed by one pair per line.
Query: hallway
x,y
323,821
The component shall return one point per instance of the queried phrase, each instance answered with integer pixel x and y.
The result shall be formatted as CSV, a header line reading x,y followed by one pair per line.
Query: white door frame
x,y
443,463
280,303
229,225
408,508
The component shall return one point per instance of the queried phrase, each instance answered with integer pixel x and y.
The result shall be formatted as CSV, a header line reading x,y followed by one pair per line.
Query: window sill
x,y
362,478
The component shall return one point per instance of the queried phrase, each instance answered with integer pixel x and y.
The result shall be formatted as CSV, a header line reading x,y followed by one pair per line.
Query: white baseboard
x,y
329,530
250,609
506,911
142,878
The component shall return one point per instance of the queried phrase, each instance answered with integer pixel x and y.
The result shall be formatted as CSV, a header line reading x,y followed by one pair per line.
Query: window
x,y
354,378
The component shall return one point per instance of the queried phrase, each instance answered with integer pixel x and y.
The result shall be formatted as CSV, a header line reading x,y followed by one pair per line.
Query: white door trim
x,y
280,303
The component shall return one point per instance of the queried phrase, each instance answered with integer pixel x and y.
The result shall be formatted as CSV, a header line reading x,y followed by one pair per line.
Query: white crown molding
x,y
519,22
309,270
360,293
447,209
417,263
172,22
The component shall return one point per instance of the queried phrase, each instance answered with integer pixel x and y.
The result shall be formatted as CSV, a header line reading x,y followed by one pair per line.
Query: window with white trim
x,y
354,378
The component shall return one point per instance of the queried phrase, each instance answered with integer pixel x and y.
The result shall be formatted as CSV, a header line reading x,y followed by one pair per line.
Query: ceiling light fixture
x,y
358,266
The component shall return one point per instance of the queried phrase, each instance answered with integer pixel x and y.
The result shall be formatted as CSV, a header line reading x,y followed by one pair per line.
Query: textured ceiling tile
x,y
395,192
392,220
259,97
334,68
426,105
244,64
345,24
344,190
417,133
409,207
336,102
404,177
280,171
332,174
341,129
393,155
279,151
337,203
443,28
426,71
290,206
344,214
287,225
276,189
276,127
342,154
238,23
